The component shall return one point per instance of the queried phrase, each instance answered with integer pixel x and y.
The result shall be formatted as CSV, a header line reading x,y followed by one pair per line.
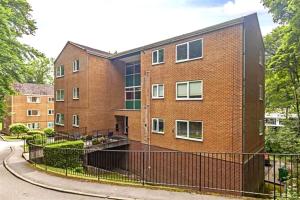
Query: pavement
x,y
17,165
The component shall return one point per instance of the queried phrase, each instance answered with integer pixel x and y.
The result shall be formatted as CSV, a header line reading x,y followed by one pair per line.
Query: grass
x,y
1,126
11,138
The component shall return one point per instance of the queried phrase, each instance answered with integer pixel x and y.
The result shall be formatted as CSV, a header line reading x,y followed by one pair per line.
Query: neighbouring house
x,y
32,105
276,119
198,92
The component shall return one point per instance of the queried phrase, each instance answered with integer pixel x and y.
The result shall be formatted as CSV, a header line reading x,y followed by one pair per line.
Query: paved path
x,y
19,165
12,188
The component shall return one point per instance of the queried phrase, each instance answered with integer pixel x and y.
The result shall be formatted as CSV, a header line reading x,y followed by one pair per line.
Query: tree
x,y
18,129
283,57
15,21
39,70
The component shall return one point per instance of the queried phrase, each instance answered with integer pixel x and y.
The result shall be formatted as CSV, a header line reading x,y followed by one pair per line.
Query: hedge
x,y
66,154
34,132
49,132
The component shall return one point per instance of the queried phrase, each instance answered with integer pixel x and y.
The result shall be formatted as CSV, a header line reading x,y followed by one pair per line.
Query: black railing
x,y
257,175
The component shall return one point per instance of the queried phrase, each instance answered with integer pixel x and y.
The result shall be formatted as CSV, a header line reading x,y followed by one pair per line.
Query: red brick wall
x,y
221,108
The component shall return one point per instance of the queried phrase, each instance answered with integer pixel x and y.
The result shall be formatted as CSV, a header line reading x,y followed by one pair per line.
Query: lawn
x,y
11,138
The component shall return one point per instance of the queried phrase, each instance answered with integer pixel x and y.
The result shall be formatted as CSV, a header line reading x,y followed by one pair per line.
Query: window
x,y
75,93
60,118
50,99
157,91
261,58
33,99
50,112
50,124
34,125
158,56
192,130
60,71
33,113
76,65
133,86
261,92
261,127
75,121
189,50
60,95
157,125
191,90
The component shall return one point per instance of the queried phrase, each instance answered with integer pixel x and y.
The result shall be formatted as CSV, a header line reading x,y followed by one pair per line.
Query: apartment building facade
x,y
32,105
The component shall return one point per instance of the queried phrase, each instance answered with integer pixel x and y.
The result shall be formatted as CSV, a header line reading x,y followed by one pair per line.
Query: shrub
x,y
34,132
49,132
66,154
18,129
38,139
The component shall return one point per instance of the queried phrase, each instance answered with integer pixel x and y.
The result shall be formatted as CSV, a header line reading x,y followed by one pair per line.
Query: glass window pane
x,y
137,104
62,70
129,69
137,93
161,55
181,52
160,90
129,104
181,129
154,57
161,125
182,90
154,124
137,68
129,95
129,81
195,89
154,91
195,49
137,80
195,130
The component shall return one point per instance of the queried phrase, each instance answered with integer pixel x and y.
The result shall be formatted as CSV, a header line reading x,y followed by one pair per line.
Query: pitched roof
x,y
34,89
91,50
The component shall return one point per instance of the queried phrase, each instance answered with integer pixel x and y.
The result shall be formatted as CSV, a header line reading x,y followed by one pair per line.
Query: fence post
x,y
143,166
274,177
200,172
45,158
66,166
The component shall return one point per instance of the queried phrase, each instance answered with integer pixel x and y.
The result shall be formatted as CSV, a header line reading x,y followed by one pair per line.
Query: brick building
x,y
32,105
198,92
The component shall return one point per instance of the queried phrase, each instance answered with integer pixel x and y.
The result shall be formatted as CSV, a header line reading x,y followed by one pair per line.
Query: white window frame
x,y
75,93
157,61
58,72
157,125
57,123
31,127
51,126
30,115
261,123
50,111
29,99
75,120
56,95
76,67
261,92
50,99
188,90
261,58
188,51
157,90
188,130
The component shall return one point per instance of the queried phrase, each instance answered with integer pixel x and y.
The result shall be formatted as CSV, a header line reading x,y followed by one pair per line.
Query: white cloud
x,y
121,25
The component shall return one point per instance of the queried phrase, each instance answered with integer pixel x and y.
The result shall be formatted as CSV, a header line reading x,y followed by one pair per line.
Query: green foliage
x,y
283,139
35,132
18,129
15,21
49,132
39,70
64,155
283,57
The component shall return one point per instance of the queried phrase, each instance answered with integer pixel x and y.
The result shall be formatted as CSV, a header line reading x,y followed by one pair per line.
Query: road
x,y
12,188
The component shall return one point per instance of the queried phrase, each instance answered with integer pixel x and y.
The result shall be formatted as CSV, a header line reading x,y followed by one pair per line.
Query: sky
x,y
119,25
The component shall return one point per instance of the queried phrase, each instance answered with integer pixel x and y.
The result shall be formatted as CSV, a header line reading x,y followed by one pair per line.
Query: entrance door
x,y
126,125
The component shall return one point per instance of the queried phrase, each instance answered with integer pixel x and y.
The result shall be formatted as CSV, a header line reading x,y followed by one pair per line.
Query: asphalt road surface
x,y
12,188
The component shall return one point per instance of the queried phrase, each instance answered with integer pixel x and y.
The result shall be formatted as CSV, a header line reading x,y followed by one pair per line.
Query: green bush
x,y
49,132
66,154
39,139
35,132
18,129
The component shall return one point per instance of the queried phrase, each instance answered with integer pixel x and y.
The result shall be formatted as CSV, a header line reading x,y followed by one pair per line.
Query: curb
x,y
2,138
55,188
